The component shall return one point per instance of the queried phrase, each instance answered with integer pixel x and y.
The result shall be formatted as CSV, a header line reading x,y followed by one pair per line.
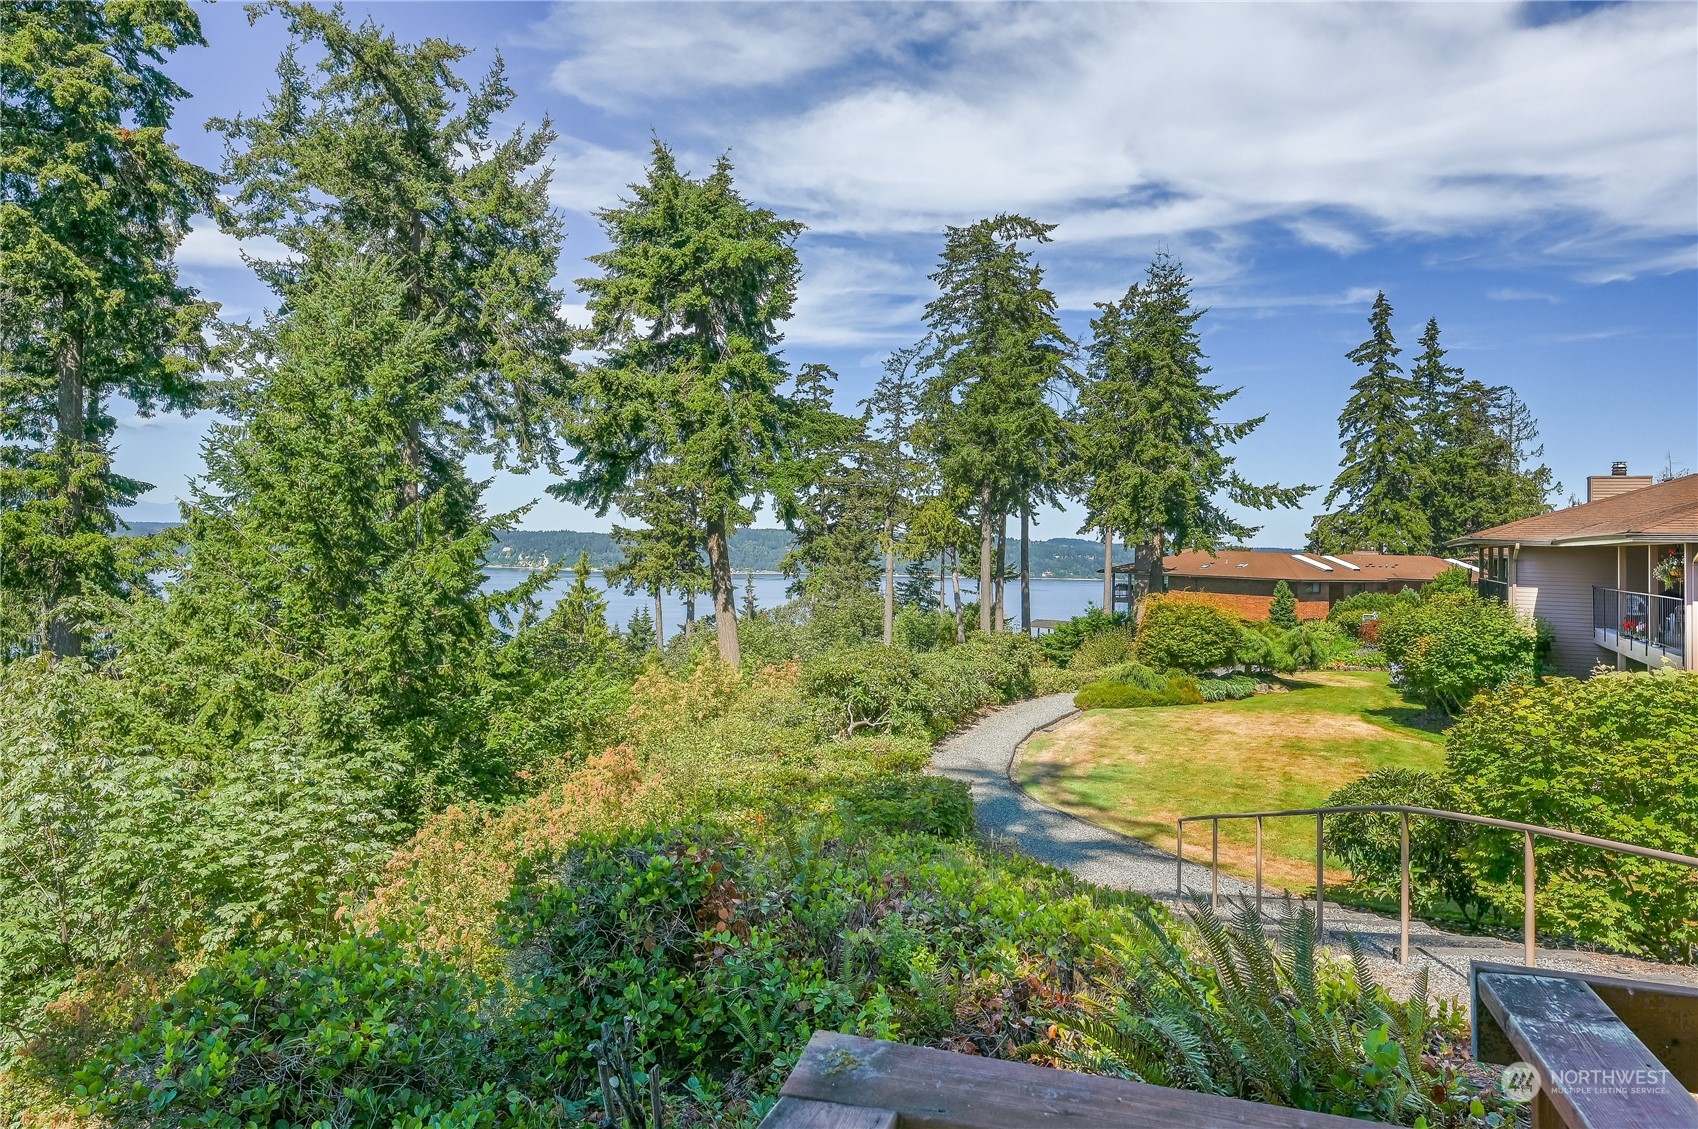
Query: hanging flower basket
x,y
1670,571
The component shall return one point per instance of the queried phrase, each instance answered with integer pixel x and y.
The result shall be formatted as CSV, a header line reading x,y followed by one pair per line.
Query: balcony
x,y
1642,626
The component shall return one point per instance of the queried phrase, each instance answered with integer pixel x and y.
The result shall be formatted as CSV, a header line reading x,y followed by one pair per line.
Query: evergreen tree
x,y
315,608
749,605
894,408
93,202
1149,459
919,587
686,312
384,151
997,352
640,633
827,495
1283,612
1380,478
664,554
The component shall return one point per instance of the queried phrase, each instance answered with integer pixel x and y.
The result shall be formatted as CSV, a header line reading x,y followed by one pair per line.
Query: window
x,y
1314,587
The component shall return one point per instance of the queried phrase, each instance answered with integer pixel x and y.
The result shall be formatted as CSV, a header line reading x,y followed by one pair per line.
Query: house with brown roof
x,y
1609,576
1243,580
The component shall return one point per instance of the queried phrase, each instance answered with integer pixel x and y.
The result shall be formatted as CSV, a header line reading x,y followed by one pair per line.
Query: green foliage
x,y
363,1030
1349,612
1275,1022
93,202
1283,612
1611,757
920,630
1315,645
897,691
1370,843
1186,636
1447,649
1139,687
1234,687
1453,581
381,151
1105,648
115,845
927,805
1380,476
1148,446
687,393
1063,641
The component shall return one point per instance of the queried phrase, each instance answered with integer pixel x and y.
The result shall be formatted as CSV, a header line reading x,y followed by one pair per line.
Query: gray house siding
x,y
1555,584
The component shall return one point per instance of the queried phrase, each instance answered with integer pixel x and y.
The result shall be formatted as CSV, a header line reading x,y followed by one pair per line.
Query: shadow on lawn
x,y
1413,717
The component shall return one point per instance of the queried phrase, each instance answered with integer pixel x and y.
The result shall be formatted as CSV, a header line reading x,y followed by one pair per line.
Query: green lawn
x,y
1136,770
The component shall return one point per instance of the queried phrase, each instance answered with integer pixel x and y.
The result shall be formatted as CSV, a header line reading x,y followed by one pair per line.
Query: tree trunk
x,y
942,580
955,578
889,583
63,640
1001,569
689,612
985,610
1108,570
724,595
412,457
659,624
1026,567
1147,574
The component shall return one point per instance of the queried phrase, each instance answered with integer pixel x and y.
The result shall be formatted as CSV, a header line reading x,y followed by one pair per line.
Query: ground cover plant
x,y
1136,770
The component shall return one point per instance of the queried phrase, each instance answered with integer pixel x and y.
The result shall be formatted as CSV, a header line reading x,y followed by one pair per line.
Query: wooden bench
x,y
1594,1072
847,1082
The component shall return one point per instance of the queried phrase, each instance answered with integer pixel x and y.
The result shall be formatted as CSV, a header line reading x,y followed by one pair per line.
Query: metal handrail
x,y
1528,867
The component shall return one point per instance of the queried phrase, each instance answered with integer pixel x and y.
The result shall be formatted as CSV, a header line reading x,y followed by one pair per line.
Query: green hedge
x,y
1451,647
1176,634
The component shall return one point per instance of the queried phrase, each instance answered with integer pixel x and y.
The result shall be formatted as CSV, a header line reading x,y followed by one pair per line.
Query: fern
x,y
1267,1017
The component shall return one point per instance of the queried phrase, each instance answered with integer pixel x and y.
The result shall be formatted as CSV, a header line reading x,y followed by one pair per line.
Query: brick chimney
x,y
1617,481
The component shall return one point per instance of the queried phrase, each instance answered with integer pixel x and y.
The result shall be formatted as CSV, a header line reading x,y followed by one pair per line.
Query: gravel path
x,y
983,756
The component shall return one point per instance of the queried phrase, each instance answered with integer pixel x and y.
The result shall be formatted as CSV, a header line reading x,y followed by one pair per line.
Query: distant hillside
x,y
752,550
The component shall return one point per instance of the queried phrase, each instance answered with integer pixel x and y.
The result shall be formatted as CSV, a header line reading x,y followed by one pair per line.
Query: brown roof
x,y
1273,565
1667,511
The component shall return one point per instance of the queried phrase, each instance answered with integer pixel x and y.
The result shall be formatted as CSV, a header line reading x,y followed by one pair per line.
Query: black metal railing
x,y
1639,623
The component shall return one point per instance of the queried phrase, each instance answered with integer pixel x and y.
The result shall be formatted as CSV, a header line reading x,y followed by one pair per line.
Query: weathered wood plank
x,y
1664,1016
800,1113
932,1089
1594,1072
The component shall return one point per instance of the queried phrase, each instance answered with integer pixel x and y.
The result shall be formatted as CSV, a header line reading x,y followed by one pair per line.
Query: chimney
x,y
1617,481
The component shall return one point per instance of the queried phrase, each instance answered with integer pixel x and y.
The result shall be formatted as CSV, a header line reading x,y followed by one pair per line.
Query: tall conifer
x,y
1380,479
93,202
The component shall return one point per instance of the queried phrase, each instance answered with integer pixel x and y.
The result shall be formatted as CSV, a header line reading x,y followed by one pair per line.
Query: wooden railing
x,y
847,1082
1529,867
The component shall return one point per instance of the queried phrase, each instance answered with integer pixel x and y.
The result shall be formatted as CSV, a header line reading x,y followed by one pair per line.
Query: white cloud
x,y
588,176
206,246
1343,123
1514,294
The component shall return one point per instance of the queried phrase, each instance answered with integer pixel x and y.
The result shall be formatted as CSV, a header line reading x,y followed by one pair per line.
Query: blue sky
x,y
1528,174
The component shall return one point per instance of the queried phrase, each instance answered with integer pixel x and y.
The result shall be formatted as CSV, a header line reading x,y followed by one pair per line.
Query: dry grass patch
x,y
1135,770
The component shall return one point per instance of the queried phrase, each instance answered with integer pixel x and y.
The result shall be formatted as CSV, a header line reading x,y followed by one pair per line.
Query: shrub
x,y
869,687
1060,644
1172,690
1370,843
1234,687
359,1031
1058,680
1315,645
920,630
1452,581
929,805
1186,636
1282,613
1348,613
1611,757
1262,646
1449,648
1105,648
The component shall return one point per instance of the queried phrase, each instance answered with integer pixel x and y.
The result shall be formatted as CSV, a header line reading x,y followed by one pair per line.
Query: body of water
x,y
1051,599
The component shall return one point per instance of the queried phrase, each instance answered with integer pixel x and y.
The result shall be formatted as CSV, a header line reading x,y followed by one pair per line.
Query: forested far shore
x,y
752,550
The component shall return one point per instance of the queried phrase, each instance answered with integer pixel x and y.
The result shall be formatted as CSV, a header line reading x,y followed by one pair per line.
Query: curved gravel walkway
x,y
983,755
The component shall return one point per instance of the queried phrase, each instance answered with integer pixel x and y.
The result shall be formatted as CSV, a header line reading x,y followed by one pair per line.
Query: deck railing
x,y
1529,868
1639,623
